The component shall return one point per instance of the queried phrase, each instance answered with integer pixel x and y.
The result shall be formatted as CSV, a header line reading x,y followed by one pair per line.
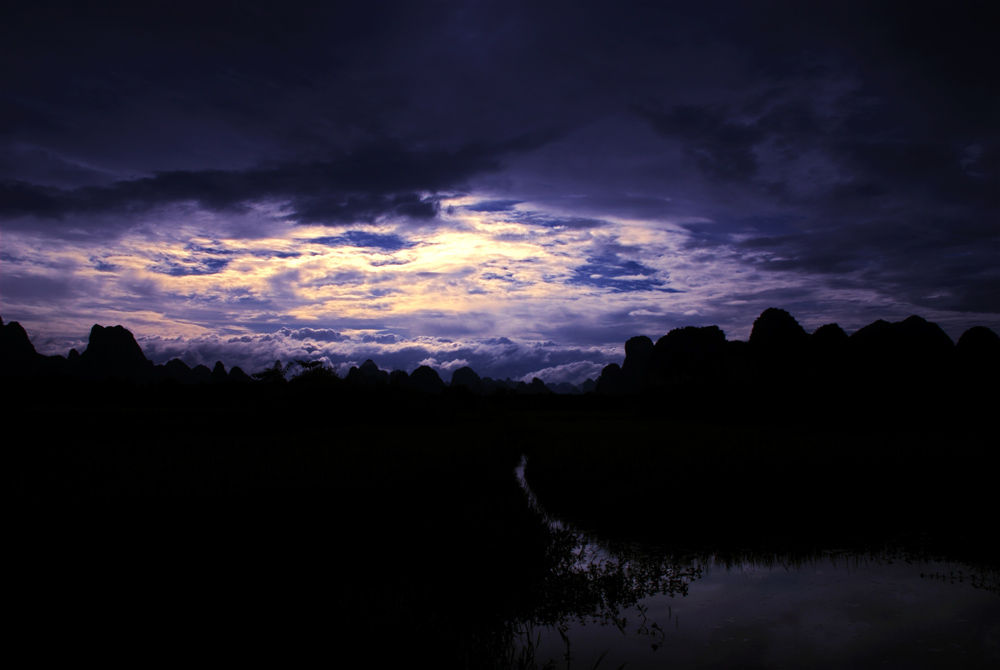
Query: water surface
x,y
831,610
859,611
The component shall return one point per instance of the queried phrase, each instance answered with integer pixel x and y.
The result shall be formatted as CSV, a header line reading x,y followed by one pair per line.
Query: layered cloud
x,y
365,176
366,185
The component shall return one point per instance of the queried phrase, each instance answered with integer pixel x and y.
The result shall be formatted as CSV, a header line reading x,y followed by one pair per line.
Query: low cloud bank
x,y
499,358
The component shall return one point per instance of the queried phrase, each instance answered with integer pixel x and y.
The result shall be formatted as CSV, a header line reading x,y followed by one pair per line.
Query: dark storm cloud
x,y
929,262
853,143
190,84
869,149
343,114
721,147
362,186
362,209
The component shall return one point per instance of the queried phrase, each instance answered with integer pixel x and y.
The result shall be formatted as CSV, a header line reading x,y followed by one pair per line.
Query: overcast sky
x,y
520,187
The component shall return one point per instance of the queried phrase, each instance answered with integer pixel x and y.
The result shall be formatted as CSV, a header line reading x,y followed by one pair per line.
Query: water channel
x,y
834,610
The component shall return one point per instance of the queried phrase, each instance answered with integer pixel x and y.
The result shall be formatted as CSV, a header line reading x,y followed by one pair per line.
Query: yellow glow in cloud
x,y
514,272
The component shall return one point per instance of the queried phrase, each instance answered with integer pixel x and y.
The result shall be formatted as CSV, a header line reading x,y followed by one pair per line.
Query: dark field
x,y
374,530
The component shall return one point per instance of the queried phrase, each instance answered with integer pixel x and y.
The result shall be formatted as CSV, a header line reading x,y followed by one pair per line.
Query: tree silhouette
x,y
313,373
274,374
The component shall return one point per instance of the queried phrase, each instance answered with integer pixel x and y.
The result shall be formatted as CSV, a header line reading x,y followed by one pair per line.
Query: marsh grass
x,y
369,536
760,487
369,530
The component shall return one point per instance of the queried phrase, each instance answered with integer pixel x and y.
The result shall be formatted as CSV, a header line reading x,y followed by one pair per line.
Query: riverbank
x,y
370,530
733,488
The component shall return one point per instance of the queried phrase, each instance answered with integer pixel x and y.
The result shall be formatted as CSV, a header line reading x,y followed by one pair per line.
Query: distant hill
x,y
909,367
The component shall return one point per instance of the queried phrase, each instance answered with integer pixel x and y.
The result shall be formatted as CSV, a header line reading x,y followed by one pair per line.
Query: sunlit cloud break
x,y
573,184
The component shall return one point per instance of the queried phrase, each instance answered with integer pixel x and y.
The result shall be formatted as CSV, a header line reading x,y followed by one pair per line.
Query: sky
x,y
519,187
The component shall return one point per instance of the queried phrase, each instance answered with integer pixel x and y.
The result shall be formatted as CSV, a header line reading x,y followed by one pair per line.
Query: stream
x,y
835,610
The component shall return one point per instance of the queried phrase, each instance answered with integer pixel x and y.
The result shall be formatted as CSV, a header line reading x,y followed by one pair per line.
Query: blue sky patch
x,y
207,266
212,251
494,205
359,238
610,272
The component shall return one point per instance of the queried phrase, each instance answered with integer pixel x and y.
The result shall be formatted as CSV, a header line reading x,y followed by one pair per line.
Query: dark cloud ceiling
x,y
856,141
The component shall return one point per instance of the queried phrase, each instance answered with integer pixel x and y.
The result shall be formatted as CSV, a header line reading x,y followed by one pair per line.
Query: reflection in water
x,y
613,604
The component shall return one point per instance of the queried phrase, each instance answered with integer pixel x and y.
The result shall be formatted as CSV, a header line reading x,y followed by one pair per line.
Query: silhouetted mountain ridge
x,y
881,367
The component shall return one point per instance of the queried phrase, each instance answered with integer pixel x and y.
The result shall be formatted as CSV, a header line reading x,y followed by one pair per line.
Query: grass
x,y
390,532
729,487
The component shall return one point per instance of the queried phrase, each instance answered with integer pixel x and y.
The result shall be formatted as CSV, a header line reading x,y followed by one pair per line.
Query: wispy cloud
x,y
367,176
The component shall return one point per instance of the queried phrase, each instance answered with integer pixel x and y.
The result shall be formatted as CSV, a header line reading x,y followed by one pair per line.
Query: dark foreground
x,y
373,532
